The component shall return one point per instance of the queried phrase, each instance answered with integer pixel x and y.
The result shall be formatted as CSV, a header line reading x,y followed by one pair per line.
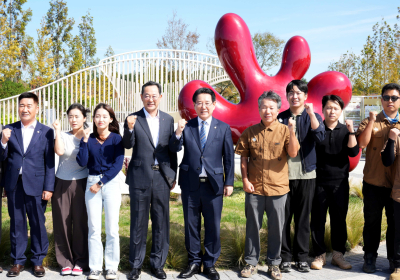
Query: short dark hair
x,y
203,90
390,86
299,84
151,83
333,98
28,95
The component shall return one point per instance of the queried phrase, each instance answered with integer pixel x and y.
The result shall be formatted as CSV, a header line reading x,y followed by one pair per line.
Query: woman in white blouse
x,y
68,202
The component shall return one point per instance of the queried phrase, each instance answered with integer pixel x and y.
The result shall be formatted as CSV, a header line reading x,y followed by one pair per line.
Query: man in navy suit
x,y
208,153
27,146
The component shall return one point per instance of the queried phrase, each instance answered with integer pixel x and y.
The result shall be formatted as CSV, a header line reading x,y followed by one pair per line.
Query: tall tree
x,y
109,52
347,64
75,57
88,40
17,19
9,51
42,66
59,27
177,36
268,48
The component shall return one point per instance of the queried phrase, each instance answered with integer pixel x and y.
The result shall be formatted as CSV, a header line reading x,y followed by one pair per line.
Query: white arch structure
x,y
117,81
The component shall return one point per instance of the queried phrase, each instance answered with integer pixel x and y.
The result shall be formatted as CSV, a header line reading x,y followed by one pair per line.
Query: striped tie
x,y
203,138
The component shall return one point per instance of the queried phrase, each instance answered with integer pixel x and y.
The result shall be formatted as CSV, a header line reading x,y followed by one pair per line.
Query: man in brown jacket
x,y
372,133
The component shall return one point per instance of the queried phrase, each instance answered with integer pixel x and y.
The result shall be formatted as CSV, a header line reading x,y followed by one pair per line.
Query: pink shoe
x,y
77,270
66,270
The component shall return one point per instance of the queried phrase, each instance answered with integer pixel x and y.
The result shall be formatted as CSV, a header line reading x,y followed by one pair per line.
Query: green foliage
x,y
75,57
268,48
88,40
9,88
59,28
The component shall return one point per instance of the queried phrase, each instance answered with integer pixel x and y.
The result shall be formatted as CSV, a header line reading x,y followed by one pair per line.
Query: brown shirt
x,y
375,173
266,148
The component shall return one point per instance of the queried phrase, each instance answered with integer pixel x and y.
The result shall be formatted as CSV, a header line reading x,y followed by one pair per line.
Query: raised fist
x,y
6,134
131,120
181,126
291,125
86,134
394,133
349,125
372,116
309,108
57,125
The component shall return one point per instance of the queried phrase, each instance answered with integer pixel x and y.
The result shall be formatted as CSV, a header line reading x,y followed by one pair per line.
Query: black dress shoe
x,y
134,274
191,270
15,270
159,273
38,271
211,273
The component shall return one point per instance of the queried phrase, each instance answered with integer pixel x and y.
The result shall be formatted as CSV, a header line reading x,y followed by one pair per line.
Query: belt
x,y
203,179
155,167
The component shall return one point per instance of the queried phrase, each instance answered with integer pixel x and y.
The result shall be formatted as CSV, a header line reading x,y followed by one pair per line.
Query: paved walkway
x,y
329,272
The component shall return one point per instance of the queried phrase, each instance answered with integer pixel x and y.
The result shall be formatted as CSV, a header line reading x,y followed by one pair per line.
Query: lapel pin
x,y
38,132
215,127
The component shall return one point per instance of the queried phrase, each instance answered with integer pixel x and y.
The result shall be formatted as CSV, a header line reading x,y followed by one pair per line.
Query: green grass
x,y
233,231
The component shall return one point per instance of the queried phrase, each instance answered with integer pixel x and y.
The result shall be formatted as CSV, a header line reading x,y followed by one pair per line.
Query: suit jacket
x,y
144,153
2,167
217,157
37,162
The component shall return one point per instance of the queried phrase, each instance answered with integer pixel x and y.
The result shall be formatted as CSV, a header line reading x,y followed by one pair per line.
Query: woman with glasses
x,y
103,153
68,201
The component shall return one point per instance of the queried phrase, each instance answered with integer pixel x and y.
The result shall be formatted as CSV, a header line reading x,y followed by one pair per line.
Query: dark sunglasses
x,y
388,97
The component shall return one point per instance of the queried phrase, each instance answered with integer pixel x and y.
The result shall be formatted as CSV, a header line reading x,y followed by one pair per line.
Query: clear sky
x,y
330,27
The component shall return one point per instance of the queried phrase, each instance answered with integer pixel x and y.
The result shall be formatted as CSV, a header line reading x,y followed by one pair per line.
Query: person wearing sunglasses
x,y
372,134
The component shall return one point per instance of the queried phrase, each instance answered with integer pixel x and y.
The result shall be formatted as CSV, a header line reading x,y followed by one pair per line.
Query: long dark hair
x,y
113,126
80,108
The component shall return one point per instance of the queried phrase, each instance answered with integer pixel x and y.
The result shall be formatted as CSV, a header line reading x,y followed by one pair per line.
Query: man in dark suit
x,y
208,153
2,171
27,146
151,175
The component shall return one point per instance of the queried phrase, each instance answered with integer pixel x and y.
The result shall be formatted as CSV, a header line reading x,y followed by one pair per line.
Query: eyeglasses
x,y
148,97
294,92
203,104
390,97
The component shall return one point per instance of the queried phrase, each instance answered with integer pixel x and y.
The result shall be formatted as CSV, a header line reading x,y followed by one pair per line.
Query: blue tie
x,y
203,138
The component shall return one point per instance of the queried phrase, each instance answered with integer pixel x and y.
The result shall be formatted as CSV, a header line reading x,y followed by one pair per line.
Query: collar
x,y
298,114
338,125
391,120
33,125
149,116
208,121
271,127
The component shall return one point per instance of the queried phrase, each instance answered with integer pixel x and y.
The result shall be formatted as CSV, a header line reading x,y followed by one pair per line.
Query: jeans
x,y
109,197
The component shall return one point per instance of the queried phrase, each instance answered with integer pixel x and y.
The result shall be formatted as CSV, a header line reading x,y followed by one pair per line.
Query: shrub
x,y
9,88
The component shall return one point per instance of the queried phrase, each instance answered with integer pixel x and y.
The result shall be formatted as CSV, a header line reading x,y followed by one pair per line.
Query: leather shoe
x,y
15,270
1,269
211,273
191,270
134,274
159,273
38,271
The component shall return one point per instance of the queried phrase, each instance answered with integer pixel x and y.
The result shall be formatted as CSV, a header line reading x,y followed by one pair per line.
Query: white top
x,y
68,168
27,134
154,125
207,126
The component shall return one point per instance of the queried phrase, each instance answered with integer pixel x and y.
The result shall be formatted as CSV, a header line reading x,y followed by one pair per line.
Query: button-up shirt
x,y
154,125
266,148
27,134
375,173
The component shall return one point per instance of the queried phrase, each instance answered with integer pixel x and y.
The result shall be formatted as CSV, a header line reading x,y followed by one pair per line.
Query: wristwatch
x,y
100,183
352,133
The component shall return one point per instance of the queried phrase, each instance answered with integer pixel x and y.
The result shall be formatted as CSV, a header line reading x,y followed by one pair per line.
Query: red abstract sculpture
x,y
236,53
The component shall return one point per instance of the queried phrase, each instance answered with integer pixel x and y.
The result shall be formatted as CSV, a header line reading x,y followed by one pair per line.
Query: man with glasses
x,y
302,173
208,156
372,134
151,175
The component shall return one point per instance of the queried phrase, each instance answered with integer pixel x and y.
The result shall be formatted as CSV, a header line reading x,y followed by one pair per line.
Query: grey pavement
x,y
329,271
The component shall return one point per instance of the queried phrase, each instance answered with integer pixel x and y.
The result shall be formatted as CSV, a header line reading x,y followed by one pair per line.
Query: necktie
x,y
203,138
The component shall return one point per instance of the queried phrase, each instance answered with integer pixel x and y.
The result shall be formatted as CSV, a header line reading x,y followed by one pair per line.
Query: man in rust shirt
x,y
373,133
264,148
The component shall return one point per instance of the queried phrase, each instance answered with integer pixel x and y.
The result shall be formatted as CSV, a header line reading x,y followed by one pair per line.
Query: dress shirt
x,y
27,133
154,125
102,159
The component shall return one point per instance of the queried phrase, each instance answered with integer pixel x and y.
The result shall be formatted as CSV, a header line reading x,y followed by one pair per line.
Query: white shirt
x,y
207,126
154,125
27,133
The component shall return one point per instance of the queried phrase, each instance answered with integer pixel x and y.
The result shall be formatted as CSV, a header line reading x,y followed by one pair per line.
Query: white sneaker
x,y
66,270
94,275
77,271
111,274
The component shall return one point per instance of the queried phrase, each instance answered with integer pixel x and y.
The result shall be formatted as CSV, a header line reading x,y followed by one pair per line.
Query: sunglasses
x,y
388,97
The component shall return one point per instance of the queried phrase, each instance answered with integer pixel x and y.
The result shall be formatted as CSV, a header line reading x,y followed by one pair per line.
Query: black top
x,y
333,154
388,153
